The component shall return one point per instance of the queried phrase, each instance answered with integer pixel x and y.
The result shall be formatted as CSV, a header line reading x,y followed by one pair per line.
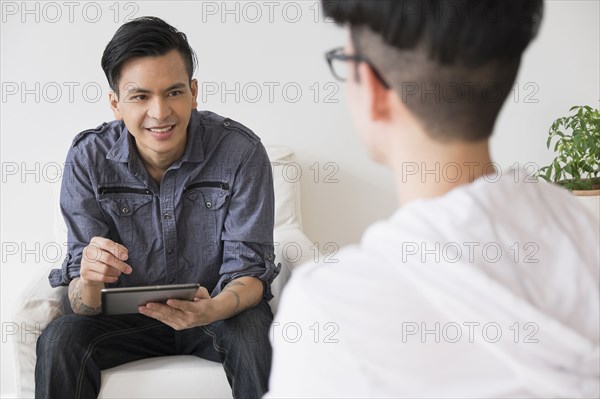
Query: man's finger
x,y
118,250
185,306
163,313
167,312
103,269
110,260
92,275
202,293
155,315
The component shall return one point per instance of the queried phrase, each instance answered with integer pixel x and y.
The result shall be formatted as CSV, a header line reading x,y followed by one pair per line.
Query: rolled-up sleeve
x,y
248,227
83,217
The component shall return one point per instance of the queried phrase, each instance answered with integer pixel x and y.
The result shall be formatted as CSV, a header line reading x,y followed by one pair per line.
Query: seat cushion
x,y
166,377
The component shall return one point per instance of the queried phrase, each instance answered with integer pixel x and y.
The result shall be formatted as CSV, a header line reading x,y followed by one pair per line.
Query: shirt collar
x,y
120,150
124,150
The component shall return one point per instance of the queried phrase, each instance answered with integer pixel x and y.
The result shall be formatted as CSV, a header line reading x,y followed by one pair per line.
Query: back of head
x,y
452,62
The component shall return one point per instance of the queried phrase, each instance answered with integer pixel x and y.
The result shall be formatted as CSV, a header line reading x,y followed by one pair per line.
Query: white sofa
x,y
173,376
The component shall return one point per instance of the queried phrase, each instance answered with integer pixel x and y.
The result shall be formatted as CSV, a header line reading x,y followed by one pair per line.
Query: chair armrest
x,y
292,248
36,307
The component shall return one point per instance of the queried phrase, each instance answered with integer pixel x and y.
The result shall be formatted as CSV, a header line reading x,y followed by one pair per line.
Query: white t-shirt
x,y
491,290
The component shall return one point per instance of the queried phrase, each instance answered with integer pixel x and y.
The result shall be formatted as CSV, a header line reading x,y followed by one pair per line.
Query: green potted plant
x,y
577,148
576,166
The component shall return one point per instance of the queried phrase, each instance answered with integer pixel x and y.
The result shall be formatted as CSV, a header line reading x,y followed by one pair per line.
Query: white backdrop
x,y
262,64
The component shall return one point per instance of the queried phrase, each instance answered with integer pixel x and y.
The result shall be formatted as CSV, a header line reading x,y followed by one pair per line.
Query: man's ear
x,y
194,87
377,96
113,99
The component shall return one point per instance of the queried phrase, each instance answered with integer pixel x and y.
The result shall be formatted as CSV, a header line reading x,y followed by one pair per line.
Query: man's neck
x,y
157,164
431,169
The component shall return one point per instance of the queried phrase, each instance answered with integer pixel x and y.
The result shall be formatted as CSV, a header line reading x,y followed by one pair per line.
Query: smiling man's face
x,y
156,101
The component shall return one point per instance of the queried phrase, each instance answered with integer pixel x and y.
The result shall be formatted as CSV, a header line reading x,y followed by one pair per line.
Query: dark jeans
x,y
73,349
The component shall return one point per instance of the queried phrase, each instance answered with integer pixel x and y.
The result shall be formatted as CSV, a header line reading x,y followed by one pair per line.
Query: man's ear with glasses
x,y
378,97
338,56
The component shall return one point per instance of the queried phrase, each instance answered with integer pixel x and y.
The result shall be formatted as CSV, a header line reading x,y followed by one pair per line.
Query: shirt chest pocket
x,y
205,206
131,214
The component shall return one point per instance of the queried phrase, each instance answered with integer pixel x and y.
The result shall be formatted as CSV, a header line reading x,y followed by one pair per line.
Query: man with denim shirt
x,y
165,194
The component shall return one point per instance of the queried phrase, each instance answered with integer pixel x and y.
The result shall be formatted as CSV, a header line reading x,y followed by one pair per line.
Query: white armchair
x,y
172,376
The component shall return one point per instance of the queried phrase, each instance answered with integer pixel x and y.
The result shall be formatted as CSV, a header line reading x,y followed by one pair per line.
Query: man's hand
x,y
237,296
182,314
103,262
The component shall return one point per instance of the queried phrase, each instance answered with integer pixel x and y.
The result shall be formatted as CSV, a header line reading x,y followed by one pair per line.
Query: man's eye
x,y
175,93
140,97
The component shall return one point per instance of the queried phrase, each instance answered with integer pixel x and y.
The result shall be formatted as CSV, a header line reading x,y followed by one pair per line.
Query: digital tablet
x,y
129,299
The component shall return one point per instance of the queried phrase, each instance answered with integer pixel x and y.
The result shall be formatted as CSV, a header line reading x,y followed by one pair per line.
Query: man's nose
x,y
159,109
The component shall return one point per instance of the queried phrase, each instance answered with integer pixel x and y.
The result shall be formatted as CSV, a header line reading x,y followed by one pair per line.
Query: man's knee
x,y
64,332
250,327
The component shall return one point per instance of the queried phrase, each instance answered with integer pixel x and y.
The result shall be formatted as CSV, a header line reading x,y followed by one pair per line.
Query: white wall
x,y
60,50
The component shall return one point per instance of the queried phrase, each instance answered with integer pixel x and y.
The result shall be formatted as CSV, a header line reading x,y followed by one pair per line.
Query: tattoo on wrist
x,y
237,299
76,298
234,283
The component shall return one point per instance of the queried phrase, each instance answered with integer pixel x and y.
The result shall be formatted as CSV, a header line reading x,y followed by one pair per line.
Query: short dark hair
x,y
426,47
144,37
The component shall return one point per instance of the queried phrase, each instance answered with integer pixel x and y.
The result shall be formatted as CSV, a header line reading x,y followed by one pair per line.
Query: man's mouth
x,y
160,129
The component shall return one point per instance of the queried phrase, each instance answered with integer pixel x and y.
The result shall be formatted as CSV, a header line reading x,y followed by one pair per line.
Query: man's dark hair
x,y
144,37
452,62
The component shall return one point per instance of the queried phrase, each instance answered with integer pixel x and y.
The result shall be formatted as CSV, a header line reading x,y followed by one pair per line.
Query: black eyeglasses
x,y
336,58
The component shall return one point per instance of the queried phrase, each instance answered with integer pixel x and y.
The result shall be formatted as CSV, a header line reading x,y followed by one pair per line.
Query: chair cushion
x,y
166,377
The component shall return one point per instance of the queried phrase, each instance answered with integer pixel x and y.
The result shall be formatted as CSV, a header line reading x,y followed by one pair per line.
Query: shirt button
x,y
171,281
167,216
226,123
170,251
125,210
209,205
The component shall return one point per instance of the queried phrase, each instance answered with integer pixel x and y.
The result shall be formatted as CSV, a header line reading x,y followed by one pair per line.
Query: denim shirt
x,y
209,221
